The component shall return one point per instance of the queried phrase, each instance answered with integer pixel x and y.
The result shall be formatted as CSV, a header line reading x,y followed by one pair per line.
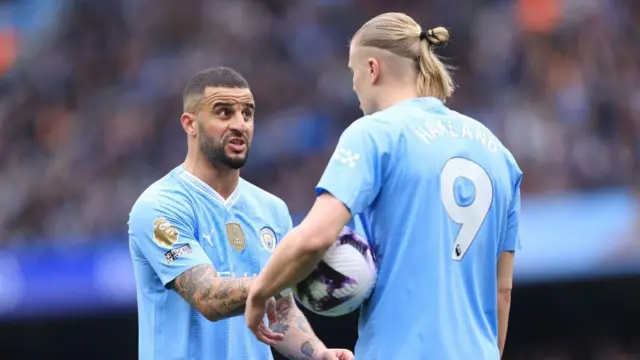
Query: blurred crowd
x,y
90,106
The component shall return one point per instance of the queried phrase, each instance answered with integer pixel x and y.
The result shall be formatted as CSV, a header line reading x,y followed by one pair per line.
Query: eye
x,y
247,113
224,112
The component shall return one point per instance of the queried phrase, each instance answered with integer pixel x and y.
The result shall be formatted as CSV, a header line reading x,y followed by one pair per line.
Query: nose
x,y
238,122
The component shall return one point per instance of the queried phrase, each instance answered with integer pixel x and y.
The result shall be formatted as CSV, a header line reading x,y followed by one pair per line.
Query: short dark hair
x,y
213,77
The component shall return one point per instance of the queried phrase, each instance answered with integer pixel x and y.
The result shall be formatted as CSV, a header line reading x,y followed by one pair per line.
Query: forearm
x,y
504,305
303,247
300,342
215,297
292,262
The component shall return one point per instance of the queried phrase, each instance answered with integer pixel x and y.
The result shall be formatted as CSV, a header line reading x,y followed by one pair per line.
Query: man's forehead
x,y
352,51
223,94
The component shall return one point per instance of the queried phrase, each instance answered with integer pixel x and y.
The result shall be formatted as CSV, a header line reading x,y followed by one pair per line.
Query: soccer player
x,y
438,194
199,235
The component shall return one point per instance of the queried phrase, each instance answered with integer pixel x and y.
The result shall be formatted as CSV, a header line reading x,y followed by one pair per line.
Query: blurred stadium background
x,y
89,109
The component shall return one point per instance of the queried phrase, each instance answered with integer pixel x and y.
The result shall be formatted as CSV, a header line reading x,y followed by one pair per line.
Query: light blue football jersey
x,y
439,198
180,222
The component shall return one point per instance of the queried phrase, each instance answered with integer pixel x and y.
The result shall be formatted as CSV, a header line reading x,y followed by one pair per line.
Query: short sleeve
x,y
354,172
512,235
289,224
285,221
164,236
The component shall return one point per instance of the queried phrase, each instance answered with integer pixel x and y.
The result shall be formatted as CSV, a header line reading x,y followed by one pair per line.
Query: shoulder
x,y
371,132
375,124
165,197
509,159
263,196
513,164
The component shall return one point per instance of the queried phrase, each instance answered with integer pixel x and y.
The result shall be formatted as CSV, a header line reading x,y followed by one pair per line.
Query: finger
x,y
270,333
263,339
271,312
254,326
271,336
347,355
259,333
344,355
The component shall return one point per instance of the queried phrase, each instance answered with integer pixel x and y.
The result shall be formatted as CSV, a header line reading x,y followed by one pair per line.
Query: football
x,y
343,280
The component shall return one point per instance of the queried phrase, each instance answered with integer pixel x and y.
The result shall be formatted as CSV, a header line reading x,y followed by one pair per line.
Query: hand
x,y
337,354
255,310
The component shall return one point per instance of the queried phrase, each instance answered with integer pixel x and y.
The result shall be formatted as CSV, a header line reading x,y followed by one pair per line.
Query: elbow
x,y
505,284
210,314
504,294
308,241
212,317
317,244
504,287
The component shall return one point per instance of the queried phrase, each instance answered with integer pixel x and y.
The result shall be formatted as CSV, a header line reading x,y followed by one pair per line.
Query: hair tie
x,y
423,35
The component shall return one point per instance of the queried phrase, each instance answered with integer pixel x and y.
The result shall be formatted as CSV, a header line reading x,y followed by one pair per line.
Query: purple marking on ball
x,y
349,236
330,277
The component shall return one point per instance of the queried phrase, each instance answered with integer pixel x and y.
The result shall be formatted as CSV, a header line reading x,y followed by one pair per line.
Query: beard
x,y
215,152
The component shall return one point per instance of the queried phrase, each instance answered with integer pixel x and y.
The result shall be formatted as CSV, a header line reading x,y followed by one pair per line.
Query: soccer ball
x,y
343,279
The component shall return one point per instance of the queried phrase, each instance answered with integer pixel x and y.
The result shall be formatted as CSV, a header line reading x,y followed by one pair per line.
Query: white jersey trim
x,y
203,188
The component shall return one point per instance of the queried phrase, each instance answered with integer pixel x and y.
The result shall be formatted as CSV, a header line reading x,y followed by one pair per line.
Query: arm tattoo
x,y
216,298
290,318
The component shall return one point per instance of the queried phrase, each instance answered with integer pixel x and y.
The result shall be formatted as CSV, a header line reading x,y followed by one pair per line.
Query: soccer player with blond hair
x,y
439,197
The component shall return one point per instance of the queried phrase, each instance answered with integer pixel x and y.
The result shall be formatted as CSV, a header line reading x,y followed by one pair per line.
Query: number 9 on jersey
x,y
471,216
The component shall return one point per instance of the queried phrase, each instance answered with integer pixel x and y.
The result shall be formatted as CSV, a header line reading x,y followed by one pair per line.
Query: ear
x,y
188,122
373,66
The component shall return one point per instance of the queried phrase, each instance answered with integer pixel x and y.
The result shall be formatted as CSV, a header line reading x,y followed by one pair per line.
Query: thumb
x,y
330,355
272,316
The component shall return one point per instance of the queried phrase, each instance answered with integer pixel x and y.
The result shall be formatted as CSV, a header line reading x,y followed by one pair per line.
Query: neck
x,y
221,178
395,95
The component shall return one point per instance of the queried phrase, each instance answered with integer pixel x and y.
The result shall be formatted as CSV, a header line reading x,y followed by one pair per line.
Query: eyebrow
x,y
232,103
223,103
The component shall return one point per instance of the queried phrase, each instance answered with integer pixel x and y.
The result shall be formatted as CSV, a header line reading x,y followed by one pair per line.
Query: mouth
x,y
237,144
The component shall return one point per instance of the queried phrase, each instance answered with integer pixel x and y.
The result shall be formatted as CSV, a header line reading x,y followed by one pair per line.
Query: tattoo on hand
x,y
307,349
214,296
280,327
287,312
284,306
284,303
303,324
289,315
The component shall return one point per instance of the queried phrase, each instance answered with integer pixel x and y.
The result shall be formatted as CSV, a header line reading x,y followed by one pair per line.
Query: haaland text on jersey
x,y
432,129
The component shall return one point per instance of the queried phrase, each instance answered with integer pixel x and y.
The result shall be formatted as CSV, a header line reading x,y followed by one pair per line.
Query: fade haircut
x,y
221,76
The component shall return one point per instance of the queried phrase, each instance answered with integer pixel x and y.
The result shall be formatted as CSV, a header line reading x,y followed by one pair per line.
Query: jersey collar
x,y
426,102
206,190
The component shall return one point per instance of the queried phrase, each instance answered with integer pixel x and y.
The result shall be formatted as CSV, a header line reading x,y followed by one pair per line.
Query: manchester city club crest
x,y
268,238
